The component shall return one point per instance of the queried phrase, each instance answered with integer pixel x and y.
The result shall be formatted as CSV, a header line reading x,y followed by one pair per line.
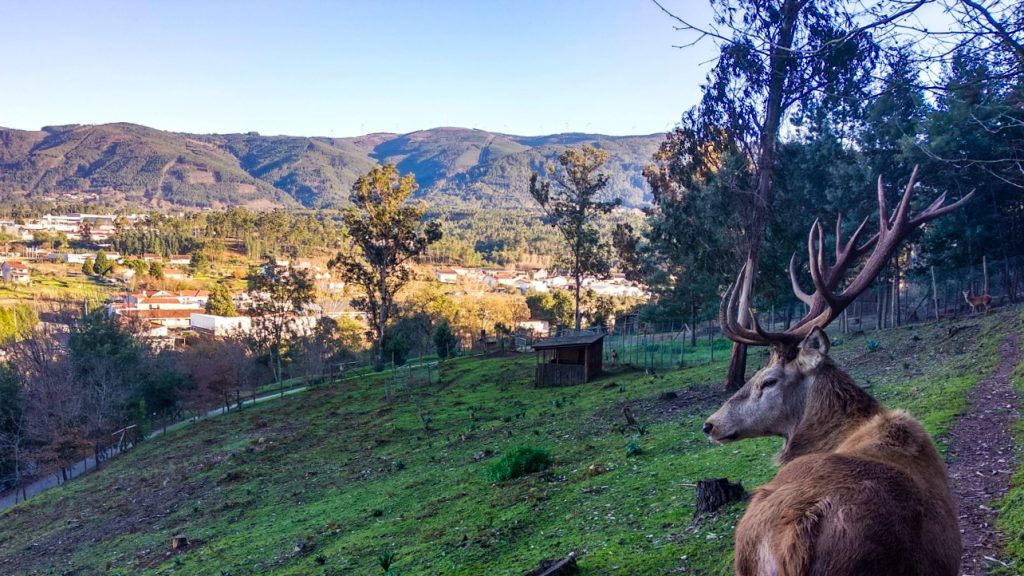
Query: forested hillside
x,y
136,164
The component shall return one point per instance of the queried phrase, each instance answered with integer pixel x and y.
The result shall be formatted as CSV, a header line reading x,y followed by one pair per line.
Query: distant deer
x,y
862,489
976,302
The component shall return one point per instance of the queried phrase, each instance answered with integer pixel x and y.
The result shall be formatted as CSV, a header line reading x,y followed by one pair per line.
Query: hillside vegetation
x,y
132,163
327,481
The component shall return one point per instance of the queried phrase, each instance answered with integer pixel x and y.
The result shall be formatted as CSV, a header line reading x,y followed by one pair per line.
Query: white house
x,y
15,272
558,282
535,325
76,258
179,260
174,274
533,286
220,325
446,275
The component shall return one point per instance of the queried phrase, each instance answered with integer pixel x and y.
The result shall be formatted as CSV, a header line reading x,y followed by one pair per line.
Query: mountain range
x,y
138,165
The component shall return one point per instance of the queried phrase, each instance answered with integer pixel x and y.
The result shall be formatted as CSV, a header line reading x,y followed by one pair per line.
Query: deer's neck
x,y
835,407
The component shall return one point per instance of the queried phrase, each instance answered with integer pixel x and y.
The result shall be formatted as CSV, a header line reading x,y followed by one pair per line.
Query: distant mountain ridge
x,y
141,165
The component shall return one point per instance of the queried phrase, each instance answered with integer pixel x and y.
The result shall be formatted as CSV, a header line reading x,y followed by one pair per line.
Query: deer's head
x,y
772,402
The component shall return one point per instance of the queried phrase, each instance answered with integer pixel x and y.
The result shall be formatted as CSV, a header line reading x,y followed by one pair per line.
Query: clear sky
x,y
349,67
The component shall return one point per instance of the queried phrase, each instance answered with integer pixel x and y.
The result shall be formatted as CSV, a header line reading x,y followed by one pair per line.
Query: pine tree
x,y
220,302
103,265
156,270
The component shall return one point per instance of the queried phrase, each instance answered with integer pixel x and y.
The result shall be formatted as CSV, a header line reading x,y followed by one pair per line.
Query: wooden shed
x,y
569,359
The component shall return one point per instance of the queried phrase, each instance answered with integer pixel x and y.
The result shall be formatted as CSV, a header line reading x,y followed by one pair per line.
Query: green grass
x,y
1011,509
48,287
275,487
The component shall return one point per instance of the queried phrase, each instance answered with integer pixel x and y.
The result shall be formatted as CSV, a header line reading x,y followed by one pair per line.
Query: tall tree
x,y
776,57
975,141
102,265
386,232
692,242
279,295
572,206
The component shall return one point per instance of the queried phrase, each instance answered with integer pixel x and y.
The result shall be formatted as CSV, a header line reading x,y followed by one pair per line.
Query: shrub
x,y
519,461
873,345
633,447
446,342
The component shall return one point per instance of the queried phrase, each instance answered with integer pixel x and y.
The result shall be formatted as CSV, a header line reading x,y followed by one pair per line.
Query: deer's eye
x,y
768,383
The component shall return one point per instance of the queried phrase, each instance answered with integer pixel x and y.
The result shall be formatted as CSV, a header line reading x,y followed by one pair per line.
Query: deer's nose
x,y
708,427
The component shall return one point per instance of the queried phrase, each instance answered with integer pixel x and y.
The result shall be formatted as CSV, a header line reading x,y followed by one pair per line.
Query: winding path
x,y
981,460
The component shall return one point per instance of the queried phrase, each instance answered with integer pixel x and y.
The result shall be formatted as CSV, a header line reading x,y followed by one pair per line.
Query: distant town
x,y
176,304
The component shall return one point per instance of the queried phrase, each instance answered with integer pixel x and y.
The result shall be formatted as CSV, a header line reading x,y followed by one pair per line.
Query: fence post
x,y
711,340
984,272
935,295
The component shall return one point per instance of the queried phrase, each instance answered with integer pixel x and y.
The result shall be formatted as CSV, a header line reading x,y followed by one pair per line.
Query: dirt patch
x,y
665,407
982,460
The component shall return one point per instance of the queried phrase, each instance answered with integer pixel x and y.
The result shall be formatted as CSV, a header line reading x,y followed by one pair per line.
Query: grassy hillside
x,y
326,481
140,165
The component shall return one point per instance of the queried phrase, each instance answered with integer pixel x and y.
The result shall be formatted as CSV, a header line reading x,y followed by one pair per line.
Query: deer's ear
x,y
814,349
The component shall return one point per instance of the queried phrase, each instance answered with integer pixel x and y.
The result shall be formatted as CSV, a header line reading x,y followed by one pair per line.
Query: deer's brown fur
x,y
862,491
983,301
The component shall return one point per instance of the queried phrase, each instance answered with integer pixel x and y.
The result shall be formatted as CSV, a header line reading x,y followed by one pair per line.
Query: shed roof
x,y
578,339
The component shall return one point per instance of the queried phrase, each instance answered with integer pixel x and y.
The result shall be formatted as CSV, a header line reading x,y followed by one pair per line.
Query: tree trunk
x,y
779,64
737,374
693,324
577,301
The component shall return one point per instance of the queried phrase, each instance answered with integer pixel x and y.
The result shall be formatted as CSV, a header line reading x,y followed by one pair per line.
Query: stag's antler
x,y
826,304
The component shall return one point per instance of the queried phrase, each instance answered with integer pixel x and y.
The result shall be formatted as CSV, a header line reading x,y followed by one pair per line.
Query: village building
x,y
213,325
174,274
446,275
15,272
179,260
534,325
172,319
74,257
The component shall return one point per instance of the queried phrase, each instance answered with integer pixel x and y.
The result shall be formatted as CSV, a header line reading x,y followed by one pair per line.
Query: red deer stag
x,y
862,490
975,302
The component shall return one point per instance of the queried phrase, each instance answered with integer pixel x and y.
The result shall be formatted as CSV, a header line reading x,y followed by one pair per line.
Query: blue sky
x,y
342,68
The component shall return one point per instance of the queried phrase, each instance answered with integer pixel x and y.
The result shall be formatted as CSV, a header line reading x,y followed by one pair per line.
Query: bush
x,y
445,341
519,461
633,448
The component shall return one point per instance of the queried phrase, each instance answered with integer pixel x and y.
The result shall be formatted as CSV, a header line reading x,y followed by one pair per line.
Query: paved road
x,y
54,480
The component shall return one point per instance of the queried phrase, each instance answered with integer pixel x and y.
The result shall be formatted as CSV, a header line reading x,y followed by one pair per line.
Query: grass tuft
x,y
518,462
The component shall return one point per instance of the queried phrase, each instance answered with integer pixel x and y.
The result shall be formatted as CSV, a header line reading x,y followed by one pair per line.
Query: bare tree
x,y
55,405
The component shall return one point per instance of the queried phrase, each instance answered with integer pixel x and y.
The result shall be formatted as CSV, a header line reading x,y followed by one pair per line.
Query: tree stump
x,y
630,420
714,493
179,542
564,567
